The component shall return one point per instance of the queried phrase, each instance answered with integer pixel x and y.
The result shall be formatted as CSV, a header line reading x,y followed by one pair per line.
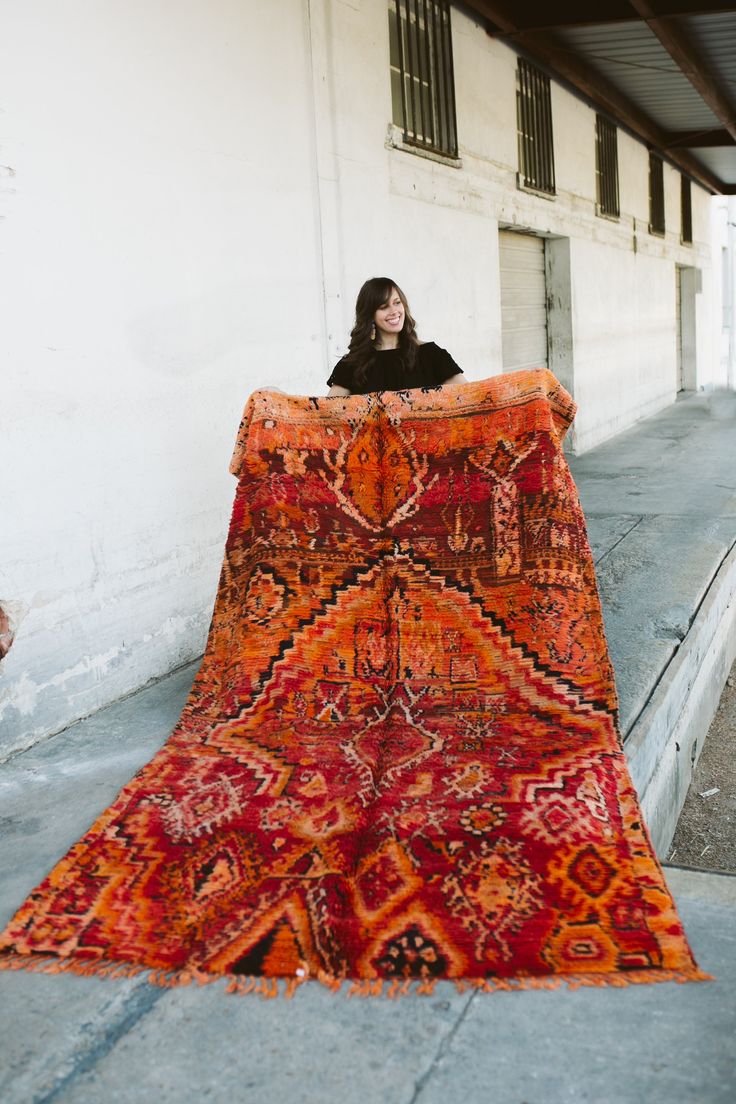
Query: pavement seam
x,y
608,551
442,1049
15,753
650,515
140,1002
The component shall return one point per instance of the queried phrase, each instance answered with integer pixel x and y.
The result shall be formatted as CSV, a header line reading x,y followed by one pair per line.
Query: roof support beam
x,y
680,48
698,139
572,68
538,16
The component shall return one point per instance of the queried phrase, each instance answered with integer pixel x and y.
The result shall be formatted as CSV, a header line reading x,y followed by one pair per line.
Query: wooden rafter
x,y
698,139
581,13
682,50
573,68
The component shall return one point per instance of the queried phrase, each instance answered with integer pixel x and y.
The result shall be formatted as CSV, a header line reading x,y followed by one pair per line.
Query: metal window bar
x,y
520,121
607,167
411,123
440,82
426,75
431,114
449,71
524,125
539,113
548,137
532,136
686,207
419,71
656,194
534,124
402,65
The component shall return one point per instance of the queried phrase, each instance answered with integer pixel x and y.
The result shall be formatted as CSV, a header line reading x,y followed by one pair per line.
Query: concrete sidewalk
x,y
84,1040
660,506
660,501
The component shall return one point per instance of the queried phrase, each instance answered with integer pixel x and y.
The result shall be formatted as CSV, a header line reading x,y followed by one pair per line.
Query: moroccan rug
x,y
400,759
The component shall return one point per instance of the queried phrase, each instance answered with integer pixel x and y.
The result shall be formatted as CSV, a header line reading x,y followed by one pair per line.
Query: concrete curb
x,y
664,743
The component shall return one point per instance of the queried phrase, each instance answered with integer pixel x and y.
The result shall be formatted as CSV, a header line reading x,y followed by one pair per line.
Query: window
x,y
422,78
606,167
534,127
686,210
656,194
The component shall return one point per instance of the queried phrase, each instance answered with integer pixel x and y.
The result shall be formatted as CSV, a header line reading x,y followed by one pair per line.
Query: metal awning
x,y
665,70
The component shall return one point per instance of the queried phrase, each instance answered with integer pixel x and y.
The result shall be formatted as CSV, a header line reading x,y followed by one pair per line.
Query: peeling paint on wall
x,y
22,697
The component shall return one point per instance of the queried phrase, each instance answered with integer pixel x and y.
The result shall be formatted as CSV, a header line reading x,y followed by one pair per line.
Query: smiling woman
x,y
385,353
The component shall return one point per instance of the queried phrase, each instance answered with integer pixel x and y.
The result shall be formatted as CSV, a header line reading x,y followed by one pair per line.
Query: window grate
x,y
422,75
606,167
656,194
686,208
534,128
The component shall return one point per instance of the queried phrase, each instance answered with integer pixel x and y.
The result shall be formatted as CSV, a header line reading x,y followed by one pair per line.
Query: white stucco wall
x,y
434,227
161,260
722,275
193,194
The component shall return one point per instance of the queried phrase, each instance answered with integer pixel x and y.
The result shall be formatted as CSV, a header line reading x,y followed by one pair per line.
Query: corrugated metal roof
x,y
639,72
633,59
721,160
715,38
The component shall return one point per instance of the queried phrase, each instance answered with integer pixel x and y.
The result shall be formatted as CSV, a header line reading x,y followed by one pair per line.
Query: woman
x,y
385,353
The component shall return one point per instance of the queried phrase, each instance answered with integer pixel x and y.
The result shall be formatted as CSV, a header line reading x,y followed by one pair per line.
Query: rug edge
x,y
282,986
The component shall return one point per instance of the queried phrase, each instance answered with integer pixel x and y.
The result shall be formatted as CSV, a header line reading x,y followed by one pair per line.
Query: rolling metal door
x,y
523,301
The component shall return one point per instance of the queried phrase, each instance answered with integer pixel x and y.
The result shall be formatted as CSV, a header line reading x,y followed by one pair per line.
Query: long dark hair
x,y
373,294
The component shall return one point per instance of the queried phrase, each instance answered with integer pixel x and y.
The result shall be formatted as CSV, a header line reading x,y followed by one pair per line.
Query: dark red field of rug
x,y
400,758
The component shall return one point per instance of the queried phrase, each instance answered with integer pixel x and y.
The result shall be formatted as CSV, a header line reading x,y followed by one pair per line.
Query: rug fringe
x,y
270,987
619,980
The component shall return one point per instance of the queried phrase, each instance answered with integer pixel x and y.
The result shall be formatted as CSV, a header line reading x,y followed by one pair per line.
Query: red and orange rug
x,y
400,759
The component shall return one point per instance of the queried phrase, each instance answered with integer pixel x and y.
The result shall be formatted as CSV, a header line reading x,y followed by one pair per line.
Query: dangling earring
x,y
373,332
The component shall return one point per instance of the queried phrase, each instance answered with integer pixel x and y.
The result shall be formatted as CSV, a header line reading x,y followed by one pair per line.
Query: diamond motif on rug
x,y
400,758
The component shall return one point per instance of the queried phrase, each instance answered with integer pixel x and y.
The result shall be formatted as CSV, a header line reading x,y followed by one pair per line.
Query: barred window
x,y
656,194
534,128
606,167
686,210
422,77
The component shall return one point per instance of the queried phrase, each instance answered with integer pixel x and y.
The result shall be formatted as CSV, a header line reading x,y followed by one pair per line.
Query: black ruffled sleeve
x,y
342,375
443,366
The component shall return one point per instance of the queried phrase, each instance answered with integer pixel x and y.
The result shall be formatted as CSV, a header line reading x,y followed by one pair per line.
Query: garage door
x,y
523,301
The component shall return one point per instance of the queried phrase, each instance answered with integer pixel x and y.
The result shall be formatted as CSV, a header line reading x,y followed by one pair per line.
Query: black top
x,y
433,366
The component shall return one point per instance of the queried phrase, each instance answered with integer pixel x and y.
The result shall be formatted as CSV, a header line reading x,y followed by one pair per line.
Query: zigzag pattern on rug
x,y
400,761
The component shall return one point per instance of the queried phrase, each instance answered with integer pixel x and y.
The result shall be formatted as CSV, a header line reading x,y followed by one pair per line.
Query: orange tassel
x,y
269,987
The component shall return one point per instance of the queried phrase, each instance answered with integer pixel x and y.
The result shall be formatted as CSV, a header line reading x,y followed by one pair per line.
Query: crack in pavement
x,y
442,1049
140,1002
608,551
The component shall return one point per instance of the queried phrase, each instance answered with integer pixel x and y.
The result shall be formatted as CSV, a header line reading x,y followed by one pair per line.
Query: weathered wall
x,y
195,192
722,274
434,226
161,260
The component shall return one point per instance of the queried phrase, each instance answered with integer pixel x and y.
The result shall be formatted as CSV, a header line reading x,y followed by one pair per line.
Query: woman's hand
x,y
459,377
336,389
